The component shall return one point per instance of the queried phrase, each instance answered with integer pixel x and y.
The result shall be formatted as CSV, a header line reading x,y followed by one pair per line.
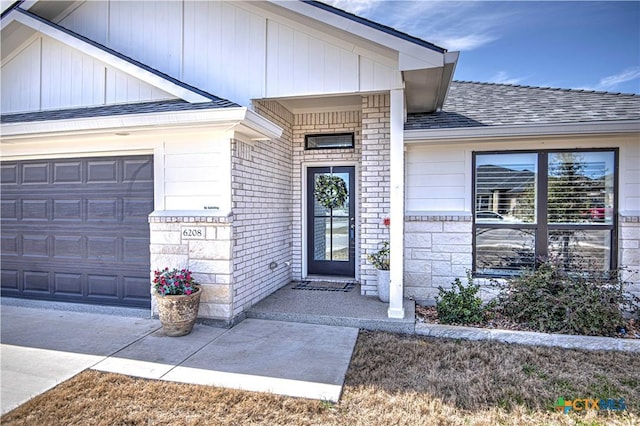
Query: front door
x,y
331,221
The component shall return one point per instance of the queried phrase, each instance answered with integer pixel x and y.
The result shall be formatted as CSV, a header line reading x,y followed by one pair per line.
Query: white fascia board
x,y
411,55
525,130
106,57
409,62
230,117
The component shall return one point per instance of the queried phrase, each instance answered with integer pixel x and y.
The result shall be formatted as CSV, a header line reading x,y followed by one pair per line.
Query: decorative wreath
x,y
330,191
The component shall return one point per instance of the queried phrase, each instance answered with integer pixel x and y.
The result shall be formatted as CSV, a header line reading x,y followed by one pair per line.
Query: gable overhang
x,y
240,121
426,69
492,133
18,24
426,88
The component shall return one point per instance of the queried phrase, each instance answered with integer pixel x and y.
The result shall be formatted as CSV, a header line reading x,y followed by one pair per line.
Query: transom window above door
x,y
544,204
329,141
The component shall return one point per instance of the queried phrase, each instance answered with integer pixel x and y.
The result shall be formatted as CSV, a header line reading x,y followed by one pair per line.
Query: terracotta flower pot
x,y
178,313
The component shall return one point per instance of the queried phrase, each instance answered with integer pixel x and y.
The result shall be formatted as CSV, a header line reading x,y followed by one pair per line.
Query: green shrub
x,y
549,299
461,304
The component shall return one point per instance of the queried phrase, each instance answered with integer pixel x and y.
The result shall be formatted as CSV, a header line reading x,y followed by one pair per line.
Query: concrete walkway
x,y
43,347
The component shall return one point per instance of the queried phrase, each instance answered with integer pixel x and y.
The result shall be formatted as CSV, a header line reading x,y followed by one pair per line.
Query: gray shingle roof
x,y
111,110
471,104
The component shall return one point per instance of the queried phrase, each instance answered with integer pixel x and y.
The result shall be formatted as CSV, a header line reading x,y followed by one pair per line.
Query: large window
x,y
533,205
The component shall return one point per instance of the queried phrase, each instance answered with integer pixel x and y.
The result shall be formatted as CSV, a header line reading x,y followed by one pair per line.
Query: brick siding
x,y
261,191
374,183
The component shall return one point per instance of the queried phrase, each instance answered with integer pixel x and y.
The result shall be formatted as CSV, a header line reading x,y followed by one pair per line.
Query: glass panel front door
x,y
330,221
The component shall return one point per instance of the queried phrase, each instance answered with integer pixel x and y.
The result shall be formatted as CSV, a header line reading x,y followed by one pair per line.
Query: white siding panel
x,y
300,64
436,180
197,174
148,31
89,19
21,80
122,88
630,177
69,77
215,32
376,76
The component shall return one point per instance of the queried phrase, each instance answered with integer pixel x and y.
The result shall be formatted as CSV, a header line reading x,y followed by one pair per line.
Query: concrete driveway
x,y
40,348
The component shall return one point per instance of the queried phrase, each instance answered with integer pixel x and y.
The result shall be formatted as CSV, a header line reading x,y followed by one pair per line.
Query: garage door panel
x,y
138,171
103,249
69,285
35,173
68,247
35,282
35,210
103,286
136,250
136,288
102,209
77,229
8,174
9,210
9,245
67,172
102,172
10,279
67,210
35,246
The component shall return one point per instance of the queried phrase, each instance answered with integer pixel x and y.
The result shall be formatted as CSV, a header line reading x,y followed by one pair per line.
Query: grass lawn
x,y
392,380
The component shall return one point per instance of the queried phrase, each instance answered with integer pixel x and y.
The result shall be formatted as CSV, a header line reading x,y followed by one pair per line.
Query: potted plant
x,y
381,261
178,299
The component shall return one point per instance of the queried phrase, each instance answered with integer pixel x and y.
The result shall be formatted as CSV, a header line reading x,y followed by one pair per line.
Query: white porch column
x,y
396,306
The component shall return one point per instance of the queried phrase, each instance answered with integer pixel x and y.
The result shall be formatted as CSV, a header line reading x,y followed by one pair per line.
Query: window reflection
x,y
506,188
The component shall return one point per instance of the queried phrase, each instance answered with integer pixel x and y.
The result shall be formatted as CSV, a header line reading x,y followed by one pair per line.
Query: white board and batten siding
x,y
439,177
49,75
223,50
235,50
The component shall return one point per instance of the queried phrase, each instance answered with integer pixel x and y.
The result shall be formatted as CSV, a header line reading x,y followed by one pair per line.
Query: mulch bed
x,y
429,314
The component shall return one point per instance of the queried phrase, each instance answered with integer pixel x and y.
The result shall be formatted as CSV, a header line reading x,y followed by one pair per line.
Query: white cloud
x,y
612,81
455,42
502,77
358,7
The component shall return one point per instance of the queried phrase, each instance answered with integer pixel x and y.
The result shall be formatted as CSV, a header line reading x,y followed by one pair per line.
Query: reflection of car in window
x,y
599,213
488,216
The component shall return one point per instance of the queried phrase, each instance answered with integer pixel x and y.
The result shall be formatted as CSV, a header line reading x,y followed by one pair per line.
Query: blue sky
x,y
565,44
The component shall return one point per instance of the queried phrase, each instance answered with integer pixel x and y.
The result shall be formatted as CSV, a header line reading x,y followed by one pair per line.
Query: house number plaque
x,y
193,233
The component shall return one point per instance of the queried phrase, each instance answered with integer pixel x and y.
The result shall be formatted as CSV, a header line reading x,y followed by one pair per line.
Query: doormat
x,y
324,286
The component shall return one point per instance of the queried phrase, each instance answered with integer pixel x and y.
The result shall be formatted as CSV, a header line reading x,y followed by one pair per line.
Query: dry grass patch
x,y
392,379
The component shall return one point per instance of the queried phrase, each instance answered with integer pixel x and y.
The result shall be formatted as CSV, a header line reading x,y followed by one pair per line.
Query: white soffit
x,y
26,19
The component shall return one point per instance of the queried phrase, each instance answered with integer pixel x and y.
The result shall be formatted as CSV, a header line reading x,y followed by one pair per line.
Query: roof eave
x,y
521,130
238,119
